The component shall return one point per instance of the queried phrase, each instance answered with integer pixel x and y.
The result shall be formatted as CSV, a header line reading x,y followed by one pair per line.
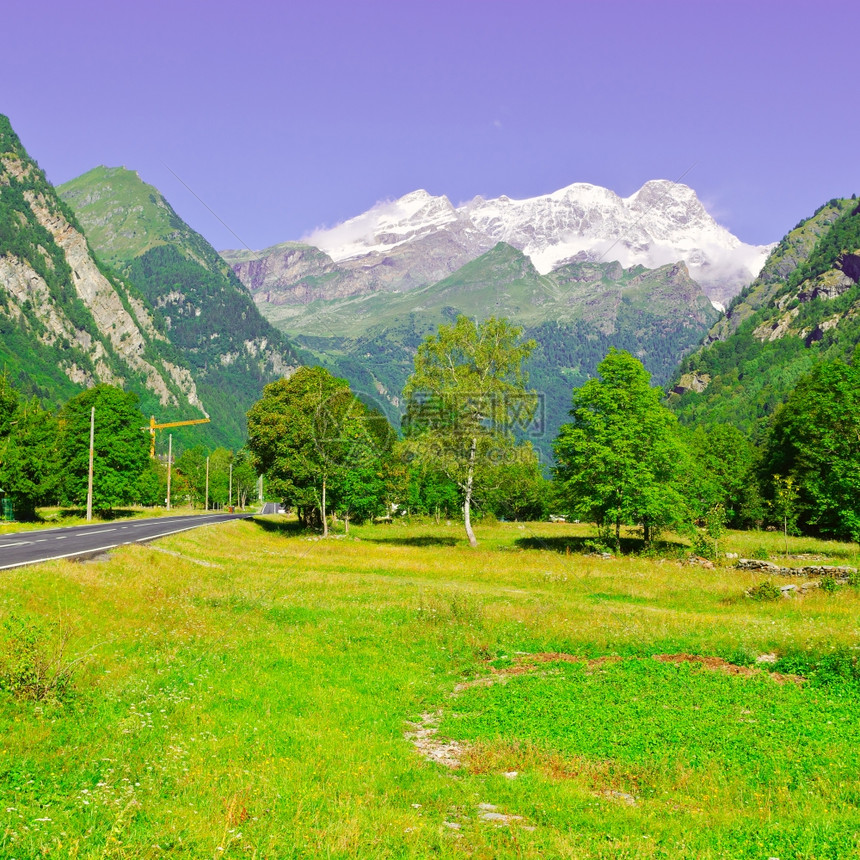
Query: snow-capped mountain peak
x,y
662,222
385,226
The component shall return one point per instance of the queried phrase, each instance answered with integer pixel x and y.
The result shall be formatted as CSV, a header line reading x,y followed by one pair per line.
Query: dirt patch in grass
x,y
526,663
424,734
717,664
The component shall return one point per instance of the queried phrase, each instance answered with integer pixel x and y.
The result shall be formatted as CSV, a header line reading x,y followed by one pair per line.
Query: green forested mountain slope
x,y
206,311
575,314
804,307
66,321
791,251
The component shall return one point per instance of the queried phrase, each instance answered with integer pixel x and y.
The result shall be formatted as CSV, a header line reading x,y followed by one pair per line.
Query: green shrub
x,y
33,662
596,545
829,584
702,545
841,667
766,590
761,553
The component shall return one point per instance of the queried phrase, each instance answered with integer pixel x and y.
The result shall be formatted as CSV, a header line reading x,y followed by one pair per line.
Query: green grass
x,y
255,705
771,766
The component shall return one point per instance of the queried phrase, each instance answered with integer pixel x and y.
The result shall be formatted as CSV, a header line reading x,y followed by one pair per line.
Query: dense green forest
x,y
575,314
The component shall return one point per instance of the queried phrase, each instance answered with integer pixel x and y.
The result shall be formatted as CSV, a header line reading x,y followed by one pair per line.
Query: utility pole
x,y
230,499
169,466
90,476
207,483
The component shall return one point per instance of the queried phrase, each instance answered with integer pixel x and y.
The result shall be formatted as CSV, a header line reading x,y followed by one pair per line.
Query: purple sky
x,y
284,117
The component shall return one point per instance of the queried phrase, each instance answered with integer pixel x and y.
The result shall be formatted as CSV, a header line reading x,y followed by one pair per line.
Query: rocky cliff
x,y
207,312
66,321
803,308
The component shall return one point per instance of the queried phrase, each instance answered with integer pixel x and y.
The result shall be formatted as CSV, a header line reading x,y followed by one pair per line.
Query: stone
x,y
840,573
623,796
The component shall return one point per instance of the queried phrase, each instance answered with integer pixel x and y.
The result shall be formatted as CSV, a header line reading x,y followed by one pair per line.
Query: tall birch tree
x,y
466,398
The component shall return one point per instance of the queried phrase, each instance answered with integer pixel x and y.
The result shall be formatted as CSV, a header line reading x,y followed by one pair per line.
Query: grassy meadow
x,y
252,692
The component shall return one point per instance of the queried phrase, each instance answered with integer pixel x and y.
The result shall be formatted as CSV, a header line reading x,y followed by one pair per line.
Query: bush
x,y
761,553
840,667
703,546
829,584
598,546
766,590
33,662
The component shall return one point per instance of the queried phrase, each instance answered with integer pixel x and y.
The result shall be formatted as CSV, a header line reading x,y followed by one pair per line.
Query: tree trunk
x,y
646,534
346,523
618,537
322,511
467,503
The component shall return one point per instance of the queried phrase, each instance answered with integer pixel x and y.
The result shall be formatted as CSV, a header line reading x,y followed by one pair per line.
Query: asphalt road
x,y
46,544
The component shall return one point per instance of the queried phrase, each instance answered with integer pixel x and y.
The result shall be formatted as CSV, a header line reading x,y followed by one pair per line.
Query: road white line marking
x,y
56,557
100,531
113,545
17,543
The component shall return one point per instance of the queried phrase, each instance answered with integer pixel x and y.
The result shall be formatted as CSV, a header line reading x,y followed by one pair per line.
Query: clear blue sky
x,y
284,117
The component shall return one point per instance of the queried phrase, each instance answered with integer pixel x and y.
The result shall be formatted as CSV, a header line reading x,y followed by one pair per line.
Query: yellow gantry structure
x,y
153,427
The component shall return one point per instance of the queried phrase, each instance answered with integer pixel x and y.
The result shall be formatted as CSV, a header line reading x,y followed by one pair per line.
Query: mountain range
x,y
420,239
102,281
574,313
207,313
67,321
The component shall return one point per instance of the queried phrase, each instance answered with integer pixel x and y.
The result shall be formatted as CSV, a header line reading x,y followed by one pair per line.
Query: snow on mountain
x,y
385,226
663,222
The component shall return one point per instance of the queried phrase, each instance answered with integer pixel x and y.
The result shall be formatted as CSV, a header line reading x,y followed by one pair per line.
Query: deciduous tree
x,y
120,448
814,439
30,459
310,436
619,461
466,397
